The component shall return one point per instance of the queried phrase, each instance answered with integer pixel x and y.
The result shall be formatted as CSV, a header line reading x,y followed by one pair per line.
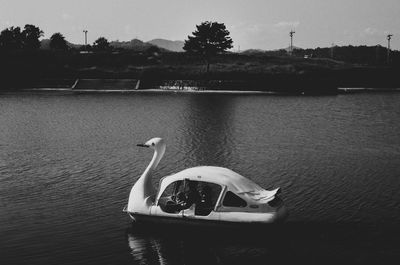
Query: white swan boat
x,y
201,195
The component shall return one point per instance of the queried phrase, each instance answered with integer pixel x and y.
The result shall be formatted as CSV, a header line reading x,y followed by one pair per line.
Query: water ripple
x,y
68,162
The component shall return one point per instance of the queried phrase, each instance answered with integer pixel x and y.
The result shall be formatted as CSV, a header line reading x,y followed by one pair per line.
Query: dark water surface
x,y
67,164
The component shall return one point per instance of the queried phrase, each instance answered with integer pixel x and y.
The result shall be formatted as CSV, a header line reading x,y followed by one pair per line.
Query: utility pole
x,y
85,32
291,41
389,37
332,47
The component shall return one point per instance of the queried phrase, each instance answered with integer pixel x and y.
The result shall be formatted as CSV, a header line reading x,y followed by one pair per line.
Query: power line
x,y
85,32
291,41
389,37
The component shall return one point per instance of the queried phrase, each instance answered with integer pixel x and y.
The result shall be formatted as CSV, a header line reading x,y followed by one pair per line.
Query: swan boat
x,y
201,195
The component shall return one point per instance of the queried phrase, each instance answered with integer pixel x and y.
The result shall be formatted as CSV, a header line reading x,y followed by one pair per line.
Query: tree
x,y
11,38
101,44
30,37
58,42
209,39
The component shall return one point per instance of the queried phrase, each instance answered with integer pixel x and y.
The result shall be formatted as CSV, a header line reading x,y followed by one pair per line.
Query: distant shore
x,y
193,90
182,72
291,85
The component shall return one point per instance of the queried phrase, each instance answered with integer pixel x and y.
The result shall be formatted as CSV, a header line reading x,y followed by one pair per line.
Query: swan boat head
x,y
143,192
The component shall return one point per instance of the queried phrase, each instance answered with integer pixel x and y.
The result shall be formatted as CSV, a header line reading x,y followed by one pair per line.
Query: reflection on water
x,y
209,247
293,243
209,140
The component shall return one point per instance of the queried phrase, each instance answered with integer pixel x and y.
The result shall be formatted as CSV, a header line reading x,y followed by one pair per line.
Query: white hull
x,y
214,218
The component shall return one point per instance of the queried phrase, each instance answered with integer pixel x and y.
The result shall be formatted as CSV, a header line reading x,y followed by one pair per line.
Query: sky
x,y
253,24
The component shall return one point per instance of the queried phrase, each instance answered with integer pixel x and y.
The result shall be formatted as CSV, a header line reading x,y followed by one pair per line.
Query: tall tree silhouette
x,y
101,44
209,39
58,42
30,37
11,38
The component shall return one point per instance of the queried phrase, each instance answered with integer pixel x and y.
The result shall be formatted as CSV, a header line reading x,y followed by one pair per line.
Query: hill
x,y
287,49
45,44
175,46
252,51
134,44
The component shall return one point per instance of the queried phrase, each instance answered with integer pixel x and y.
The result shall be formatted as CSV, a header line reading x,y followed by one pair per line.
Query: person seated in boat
x,y
180,198
175,204
190,197
205,195
204,206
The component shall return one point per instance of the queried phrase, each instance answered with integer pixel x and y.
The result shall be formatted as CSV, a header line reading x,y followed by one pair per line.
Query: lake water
x,y
68,161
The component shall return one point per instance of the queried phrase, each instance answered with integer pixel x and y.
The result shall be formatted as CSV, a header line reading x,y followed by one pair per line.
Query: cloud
x,y
66,16
249,28
370,31
374,33
287,24
254,28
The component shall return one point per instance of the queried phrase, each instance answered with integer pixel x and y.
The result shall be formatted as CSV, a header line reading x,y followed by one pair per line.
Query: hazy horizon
x,y
258,24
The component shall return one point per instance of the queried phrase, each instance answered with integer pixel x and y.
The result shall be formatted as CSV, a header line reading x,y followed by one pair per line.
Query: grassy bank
x,y
21,69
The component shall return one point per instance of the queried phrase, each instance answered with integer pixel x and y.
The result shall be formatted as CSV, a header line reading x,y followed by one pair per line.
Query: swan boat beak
x,y
143,145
